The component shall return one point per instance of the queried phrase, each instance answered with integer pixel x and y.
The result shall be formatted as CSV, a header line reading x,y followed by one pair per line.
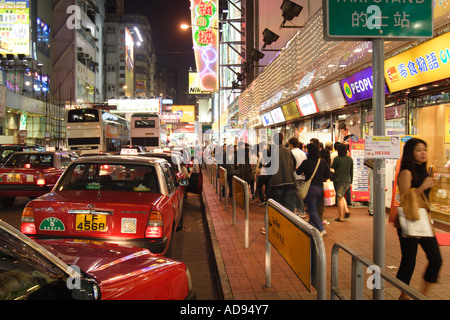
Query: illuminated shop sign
x,y
307,105
277,115
290,111
15,27
205,33
359,86
425,63
267,119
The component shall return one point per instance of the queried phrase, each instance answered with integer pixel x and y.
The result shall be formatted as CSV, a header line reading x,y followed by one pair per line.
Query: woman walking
x,y
413,174
315,193
342,179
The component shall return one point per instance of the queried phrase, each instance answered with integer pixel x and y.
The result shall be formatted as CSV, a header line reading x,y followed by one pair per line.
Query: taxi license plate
x,y
91,222
13,178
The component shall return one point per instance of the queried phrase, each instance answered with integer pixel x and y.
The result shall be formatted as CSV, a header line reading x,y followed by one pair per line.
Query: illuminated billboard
x,y
205,34
194,84
129,63
15,27
186,113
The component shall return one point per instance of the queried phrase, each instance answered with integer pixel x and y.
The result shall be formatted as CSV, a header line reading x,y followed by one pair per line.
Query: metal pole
x,y
268,256
247,214
379,164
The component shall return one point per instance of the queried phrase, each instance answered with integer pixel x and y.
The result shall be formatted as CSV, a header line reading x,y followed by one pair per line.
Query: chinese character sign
x,y
205,32
425,63
378,19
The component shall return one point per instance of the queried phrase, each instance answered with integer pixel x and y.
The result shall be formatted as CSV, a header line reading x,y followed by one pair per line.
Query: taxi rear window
x,y
110,177
27,160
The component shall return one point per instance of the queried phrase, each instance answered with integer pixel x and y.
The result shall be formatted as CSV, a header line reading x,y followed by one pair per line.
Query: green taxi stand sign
x,y
368,19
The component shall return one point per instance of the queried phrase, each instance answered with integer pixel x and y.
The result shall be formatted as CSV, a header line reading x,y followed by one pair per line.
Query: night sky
x,y
172,44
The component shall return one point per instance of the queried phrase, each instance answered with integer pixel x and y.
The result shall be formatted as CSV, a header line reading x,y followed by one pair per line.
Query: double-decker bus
x,y
148,130
95,131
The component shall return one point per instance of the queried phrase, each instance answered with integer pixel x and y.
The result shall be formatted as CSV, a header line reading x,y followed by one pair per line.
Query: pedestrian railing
x,y
299,243
357,277
223,182
240,196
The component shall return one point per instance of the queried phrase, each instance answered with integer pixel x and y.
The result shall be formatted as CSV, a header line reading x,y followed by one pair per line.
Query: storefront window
x,y
432,124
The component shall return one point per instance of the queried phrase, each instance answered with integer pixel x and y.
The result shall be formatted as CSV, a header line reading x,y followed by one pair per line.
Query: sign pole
x,y
378,102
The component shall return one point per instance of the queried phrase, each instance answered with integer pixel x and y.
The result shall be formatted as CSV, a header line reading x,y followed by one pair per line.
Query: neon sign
x,y
205,33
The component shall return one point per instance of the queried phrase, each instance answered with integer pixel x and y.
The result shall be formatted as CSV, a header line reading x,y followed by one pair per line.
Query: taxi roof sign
x,y
128,151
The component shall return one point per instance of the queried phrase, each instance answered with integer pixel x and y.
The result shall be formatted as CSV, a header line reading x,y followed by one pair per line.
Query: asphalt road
x,y
192,245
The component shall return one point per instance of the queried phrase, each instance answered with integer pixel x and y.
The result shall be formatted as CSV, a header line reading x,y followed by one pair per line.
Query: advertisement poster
x,y
15,27
360,185
383,147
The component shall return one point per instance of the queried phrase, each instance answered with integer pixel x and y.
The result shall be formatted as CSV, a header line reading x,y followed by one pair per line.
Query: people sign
x,y
367,19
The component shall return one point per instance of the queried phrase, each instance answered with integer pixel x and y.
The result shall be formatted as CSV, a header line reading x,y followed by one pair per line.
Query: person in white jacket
x,y
294,145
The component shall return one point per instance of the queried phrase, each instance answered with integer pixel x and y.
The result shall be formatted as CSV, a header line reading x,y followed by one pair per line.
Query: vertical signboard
x,y
205,33
129,67
360,184
15,27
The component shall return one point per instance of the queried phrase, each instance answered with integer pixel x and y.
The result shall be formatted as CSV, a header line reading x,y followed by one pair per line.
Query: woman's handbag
x,y
329,195
304,188
413,215
415,228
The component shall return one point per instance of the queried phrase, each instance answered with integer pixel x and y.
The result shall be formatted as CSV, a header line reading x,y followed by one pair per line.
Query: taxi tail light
x,y
27,226
154,225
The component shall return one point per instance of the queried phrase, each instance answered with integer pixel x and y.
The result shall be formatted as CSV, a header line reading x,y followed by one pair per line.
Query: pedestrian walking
x,y
262,176
282,187
299,156
342,179
413,174
315,192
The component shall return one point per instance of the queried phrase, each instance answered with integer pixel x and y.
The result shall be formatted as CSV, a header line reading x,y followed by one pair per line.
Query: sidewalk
x,y
242,270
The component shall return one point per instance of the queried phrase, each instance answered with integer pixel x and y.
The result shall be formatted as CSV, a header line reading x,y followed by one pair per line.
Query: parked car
x,y
83,270
180,169
122,199
31,174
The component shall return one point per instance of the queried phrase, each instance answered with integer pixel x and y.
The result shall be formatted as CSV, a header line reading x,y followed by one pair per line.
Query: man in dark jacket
x,y
282,183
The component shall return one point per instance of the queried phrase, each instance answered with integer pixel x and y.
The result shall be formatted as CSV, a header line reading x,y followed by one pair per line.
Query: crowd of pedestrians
x,y
295,163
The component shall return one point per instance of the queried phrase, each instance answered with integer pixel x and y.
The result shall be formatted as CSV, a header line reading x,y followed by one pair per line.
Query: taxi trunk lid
x,y
93,215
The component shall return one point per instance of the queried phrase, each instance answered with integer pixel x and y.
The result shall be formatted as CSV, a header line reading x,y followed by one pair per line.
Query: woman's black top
x,y
307,168
419,175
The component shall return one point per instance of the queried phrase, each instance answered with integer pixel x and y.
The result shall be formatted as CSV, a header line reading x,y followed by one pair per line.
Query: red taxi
x,y
84,270
31,174
131,200
195,181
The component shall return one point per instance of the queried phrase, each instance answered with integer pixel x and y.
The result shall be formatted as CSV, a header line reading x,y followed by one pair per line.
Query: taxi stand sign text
x,y
368,19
